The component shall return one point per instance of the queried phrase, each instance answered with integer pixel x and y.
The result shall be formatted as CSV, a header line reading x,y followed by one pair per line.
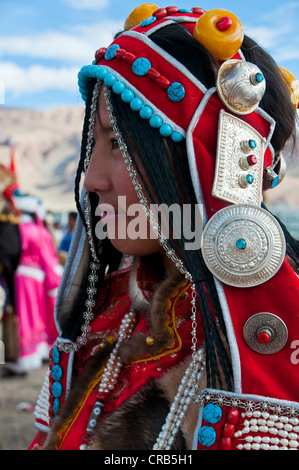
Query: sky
x,y
43,44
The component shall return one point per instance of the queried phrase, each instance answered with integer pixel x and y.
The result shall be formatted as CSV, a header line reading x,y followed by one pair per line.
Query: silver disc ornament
x,y
243,245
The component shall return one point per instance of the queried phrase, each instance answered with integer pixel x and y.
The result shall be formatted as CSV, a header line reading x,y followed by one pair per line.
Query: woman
x,y
177,348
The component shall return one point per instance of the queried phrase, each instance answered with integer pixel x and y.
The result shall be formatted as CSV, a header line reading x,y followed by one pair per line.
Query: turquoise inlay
x,y
56,406
241,244
176,91
57,389
56,372
110,53
147,21
249,179
141,66
207,436
55,355
212,413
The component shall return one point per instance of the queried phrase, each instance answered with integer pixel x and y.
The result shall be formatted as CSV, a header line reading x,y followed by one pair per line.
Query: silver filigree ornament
x,y
243,245
240,86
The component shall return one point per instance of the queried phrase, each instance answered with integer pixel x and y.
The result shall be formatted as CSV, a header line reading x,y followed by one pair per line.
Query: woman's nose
x,y
97,176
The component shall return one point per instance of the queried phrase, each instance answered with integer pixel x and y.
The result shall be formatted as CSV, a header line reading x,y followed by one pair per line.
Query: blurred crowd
x,y
33,248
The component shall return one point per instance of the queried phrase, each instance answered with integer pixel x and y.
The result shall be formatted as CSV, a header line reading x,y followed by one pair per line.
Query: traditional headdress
x,y
231,163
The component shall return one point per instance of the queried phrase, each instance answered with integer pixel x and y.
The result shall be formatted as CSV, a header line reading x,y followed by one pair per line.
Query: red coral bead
x,y
224,23
172,10
119,53
233,416
252,160
160,13
228,430
198,11
263,337
99,54
153,74
225,443
163,82
129,58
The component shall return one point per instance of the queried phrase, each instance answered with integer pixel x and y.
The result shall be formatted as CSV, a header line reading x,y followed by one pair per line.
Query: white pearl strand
x,y
180,404
286,430
114,365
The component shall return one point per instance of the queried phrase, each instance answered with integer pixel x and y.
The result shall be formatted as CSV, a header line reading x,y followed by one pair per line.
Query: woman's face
x,y
108,177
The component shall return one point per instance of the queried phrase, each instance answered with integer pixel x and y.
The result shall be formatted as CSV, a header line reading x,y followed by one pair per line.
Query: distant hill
x,y
47,146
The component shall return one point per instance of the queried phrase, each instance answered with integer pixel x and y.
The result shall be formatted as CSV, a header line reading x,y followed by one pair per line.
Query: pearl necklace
x,y
111,372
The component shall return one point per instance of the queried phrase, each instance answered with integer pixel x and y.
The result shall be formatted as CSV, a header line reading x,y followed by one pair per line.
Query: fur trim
x,y
136,424
157,319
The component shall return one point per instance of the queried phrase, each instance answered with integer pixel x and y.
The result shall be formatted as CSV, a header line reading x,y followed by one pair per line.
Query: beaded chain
x,y
94,265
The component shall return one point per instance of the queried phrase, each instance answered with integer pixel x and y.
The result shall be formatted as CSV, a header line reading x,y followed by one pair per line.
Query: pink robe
x,y
36,281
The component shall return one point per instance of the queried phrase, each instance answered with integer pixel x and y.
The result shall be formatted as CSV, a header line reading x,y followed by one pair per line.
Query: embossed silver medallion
x,y
265,321
236,180
243,245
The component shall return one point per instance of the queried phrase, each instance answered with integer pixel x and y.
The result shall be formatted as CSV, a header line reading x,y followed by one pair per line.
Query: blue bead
x,y
118,87
146,112
275,182
252,144
241,244
141,66
259,77
110,79
136,104
165,130
176,91
156,121
57,389
110,53
56,406
185,10
176,137
127,95
207,436
56,373
212,413
147,21
101,73
249,179
55,355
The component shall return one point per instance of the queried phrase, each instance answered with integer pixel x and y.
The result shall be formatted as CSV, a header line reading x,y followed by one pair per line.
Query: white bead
x,y
270,422
257,414
264,429
274,448
274,440
256,446
294,421
257,439
288,427
265,446
262,422
254,428
249,439
247,446
266,439
284,419
273,430
240,446
265,415
294,444
282,433
293,436
253,422
279,425
284,442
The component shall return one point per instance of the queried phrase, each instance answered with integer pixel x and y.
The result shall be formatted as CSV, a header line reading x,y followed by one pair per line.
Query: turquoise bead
x,y
146,112
101,73
207,436
275,182
156,121
110,53
56,406
185,10
136,104
118,87
55,355
127,95
249,179
259,77
252,144
212,413
141,66
241,244
110,79
165,130
56,372
147,21
57,389
176,92
176,137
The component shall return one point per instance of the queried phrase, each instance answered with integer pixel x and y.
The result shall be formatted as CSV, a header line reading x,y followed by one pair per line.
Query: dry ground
x,y
18,396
